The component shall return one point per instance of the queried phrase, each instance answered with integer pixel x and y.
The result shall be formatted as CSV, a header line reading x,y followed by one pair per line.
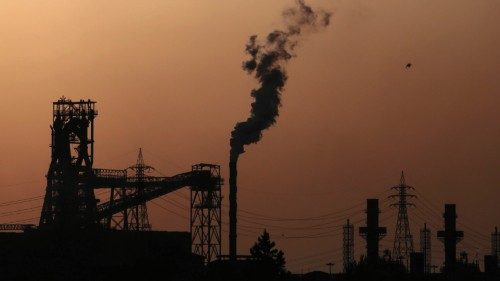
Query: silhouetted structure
x,y
70,204
97,255
80,238
136,217
425,248
495,245
348,246
372,233
233,205
491,265
417,263
450,236
403,240
16,227
330,265
69,200
464,257
140,211
121,220
206,216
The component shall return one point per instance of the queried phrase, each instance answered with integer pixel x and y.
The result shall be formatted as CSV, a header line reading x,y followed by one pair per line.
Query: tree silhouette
x,y
270,259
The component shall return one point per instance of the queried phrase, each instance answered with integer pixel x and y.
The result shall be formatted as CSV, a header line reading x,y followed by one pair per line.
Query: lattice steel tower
x,y
136,217
139,214
425,248
495,245
403,240
348,246
205,214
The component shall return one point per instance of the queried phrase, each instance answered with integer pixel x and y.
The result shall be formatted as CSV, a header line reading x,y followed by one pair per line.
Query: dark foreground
x,y
154,255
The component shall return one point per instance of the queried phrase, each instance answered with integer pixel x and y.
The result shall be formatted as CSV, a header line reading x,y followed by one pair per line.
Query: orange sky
x,y
167,77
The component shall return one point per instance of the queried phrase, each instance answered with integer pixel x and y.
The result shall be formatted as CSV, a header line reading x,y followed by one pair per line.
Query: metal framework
x,y
403,240
139,213
348,246
118,220
70,204
16,227
205,214
372,233
495,245
135,217
425,248
69,200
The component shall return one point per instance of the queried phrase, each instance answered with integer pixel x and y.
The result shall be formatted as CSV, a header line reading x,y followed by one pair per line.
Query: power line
x,y
20,201
21,183
326,216
170,211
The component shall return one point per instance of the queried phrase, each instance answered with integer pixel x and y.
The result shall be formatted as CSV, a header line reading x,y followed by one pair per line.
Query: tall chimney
x,y
233,174
450,236
372,232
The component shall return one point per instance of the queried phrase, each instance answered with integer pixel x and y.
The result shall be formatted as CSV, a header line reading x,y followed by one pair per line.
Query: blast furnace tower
x,y
69,200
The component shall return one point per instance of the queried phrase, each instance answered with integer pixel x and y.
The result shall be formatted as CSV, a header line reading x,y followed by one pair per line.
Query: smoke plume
x,y
266,63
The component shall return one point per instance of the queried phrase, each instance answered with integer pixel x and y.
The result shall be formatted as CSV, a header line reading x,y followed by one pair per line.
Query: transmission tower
x,y
136,217
425,248
495,245
348,245
403,240
139,214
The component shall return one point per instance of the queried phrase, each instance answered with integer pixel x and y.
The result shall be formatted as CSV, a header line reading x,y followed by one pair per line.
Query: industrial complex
x,y
79,237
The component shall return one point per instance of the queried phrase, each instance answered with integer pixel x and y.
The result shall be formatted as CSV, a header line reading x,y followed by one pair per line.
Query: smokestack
x,y
266,64
233,175
372,232
450,237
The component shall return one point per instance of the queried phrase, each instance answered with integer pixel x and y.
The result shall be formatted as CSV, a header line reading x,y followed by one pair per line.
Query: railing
x,y
16,227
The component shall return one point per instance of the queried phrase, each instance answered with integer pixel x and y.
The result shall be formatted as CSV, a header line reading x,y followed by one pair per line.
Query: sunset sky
x,y
167,77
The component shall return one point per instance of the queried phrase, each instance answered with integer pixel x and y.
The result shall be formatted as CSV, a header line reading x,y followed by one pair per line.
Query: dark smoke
x,y
267,64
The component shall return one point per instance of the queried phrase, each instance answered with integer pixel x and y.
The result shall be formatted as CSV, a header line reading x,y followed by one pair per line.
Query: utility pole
x,y
348,246
330,265
403,240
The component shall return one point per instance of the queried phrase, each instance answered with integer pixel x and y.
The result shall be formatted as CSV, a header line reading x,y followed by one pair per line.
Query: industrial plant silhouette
x,y
80,238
